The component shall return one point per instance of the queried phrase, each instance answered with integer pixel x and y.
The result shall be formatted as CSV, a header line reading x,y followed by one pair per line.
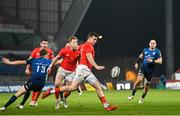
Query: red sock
x,y
103,100
57,90
37,95
33,96
66,94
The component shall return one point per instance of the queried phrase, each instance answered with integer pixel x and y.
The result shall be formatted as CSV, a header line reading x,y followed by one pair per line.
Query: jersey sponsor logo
x,y
41,63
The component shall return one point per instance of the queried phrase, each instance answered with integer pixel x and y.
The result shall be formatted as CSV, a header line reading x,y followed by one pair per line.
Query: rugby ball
x,y
115,71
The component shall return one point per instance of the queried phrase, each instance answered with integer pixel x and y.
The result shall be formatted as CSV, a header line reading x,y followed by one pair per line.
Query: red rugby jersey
x,y
86,48
70,58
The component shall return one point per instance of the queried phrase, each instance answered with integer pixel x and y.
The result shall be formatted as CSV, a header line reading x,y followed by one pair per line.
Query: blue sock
x,y
26,96
11,100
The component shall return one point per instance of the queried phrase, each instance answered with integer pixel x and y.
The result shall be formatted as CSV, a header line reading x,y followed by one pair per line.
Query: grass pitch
x,y
157,102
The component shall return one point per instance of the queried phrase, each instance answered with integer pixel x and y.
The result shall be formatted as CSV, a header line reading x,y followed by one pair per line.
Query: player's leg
x,y
79,90
62,93
79,76
72,87
28,86
32,103
28,72
147,82
26,96
135,86
36,87
20,91
91,79
66,94
146,88
37,94
68,81
58,82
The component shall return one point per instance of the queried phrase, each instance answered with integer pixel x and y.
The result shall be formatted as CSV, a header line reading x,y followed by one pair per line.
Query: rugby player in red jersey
x,y
70,55
83,72
36,54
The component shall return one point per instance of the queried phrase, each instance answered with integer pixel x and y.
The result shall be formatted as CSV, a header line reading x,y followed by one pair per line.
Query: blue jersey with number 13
x,y
39,69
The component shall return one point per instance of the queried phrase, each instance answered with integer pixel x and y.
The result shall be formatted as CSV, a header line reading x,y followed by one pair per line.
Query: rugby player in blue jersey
x,y
145,62
35,83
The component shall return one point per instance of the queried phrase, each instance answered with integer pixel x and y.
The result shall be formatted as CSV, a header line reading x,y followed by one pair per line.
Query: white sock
x,y
52,91
106,105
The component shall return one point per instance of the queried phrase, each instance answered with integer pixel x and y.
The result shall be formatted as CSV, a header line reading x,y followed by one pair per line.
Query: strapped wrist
x,y
139,60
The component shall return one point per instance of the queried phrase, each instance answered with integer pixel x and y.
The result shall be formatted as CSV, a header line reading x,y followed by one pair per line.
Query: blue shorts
x,y
29,86
146,74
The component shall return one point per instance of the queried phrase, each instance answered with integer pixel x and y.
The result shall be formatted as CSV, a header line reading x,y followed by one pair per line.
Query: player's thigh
x,y
69,77
82,71
74,85
68,83
148,77
140,77
33,86
92,80
20,91
59,78
96,85
147,82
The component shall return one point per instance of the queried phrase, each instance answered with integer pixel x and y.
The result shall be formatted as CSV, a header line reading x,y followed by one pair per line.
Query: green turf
x,y
157,102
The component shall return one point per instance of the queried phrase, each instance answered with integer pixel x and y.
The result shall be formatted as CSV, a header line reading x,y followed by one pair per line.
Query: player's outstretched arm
x,y
17,62
93,63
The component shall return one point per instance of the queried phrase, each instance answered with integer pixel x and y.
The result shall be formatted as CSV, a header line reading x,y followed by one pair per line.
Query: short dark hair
x,y
72,38
90,34
153,38
44,39
43,52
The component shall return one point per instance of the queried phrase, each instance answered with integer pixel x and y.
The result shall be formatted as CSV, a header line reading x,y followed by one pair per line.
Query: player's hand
x,y
49,70
136,65
28,72
100,67
149,60
5,60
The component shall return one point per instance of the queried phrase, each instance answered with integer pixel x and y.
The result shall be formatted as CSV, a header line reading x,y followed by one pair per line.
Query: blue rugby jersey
x,y
153,54
39,69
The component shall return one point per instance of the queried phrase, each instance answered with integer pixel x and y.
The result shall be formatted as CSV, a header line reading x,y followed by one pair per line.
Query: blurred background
x,y
126,26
